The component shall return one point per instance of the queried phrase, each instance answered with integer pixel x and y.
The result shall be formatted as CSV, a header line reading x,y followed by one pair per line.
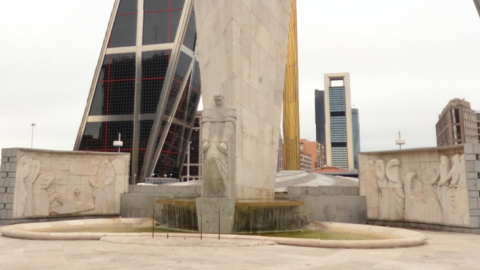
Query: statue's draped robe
x,y
218,167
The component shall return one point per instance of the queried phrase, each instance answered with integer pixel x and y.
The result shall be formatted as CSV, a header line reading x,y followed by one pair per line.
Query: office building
x,y
146,87
320,117
340,122
457,124
315,150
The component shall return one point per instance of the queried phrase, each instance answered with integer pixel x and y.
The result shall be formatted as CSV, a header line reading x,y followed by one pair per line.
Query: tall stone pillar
x,y
242,48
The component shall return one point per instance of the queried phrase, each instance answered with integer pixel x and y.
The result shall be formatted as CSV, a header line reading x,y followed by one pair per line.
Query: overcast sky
x,y
406,60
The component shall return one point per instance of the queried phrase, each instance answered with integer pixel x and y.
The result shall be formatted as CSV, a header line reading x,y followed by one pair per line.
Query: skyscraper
x,y
339,142
457,124
320,116
477,5
146,86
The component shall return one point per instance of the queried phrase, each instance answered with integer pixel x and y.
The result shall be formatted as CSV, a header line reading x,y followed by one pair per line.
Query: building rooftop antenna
x,y
400,141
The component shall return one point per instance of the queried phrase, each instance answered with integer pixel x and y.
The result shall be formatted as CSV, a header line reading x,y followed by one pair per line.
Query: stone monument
x,y
242,52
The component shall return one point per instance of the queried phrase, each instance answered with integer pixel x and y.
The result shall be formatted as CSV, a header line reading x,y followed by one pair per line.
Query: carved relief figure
x,y
27,172
218,129
453,188
40,201
382,184
100,182
397,193
415,208
434,211
371,190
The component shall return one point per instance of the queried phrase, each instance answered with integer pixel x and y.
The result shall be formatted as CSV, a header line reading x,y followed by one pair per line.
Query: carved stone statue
x,y
218,146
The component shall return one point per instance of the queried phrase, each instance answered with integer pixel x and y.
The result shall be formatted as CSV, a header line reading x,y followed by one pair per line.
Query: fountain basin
x,y
246,215
394,237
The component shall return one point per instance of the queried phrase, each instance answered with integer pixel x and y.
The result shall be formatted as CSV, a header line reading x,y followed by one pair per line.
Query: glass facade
x,y
338,127
320,117
132,93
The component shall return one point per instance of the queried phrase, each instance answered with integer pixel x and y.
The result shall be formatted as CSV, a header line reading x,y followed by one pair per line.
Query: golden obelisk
x,y
291,123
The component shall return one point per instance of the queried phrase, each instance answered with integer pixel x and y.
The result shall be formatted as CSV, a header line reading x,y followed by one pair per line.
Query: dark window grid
x,y
114,72
150,5
182,106
155,64
127,6
104,141
191,34
172,95
169,10
170,150
118,28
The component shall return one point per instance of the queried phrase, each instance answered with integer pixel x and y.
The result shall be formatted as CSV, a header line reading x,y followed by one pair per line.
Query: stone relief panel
x,y
418,187
50,184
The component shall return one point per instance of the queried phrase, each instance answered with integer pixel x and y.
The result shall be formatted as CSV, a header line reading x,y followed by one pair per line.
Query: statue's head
x,y
218,98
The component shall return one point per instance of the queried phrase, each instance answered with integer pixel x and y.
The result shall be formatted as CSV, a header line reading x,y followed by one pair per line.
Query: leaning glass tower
x,y
146,87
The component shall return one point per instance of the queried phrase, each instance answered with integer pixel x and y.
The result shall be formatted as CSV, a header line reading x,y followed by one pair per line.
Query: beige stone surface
x,y
424,185
443,251
242,49
50,183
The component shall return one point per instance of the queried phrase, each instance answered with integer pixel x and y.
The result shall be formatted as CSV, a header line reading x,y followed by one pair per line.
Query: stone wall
x,y
141,199
331,203
438,186
42,183
7,182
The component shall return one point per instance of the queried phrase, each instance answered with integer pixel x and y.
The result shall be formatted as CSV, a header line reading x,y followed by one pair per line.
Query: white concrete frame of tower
x,y
328,77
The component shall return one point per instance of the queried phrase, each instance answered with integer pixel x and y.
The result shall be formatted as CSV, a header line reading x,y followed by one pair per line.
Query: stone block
x,y
3,213
10,198
473,194
470,166
293,191
13,166
3,167
477,166
472,175
12,152
472,184
474,222
473,203
476,148
2,205
470,157
4,198
10,190
13,159
475,212
9,214
12,174
213,213
5,159
468,148
11,182
2,182
4,152
9,206
3,175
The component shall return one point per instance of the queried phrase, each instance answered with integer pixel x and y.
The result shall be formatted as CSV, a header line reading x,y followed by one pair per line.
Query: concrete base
x,y
331,203
214,214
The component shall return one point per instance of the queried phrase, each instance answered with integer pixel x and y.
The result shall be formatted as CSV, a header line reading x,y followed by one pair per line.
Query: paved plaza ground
x,y
442,251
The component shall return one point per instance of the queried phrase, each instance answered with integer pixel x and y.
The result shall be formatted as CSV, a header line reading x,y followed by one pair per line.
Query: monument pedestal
x,y
214,214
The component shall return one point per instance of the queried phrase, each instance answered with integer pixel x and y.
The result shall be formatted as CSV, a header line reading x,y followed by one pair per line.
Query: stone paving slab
x,y
442,251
